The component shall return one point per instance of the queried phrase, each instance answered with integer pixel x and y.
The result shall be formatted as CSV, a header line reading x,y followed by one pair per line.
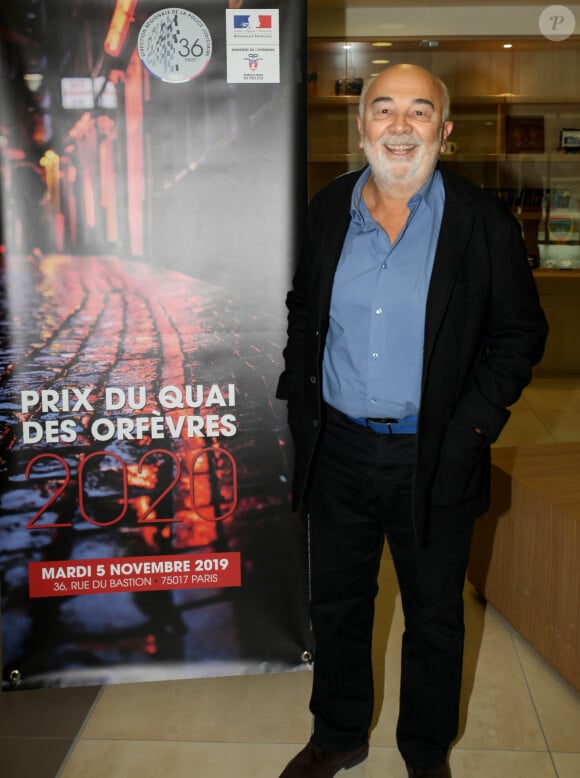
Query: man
x,y
413,323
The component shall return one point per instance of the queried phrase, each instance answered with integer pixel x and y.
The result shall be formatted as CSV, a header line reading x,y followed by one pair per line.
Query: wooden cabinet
x,y
559,292
524,557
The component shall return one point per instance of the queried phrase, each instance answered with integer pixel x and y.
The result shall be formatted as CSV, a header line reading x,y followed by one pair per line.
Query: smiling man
x,y
413,323
401,133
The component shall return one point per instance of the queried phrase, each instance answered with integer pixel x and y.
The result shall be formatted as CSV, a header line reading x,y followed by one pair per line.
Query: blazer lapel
x,y
336,227
456,226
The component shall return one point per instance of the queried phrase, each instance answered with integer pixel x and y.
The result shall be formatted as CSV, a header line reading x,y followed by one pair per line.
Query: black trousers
x,y
360,493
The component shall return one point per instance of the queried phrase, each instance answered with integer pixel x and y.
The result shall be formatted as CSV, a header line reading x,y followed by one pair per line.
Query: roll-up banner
x,y
152,177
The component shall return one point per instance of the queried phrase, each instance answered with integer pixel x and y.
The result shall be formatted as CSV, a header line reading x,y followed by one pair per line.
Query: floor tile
x,y
567,765
24,757
265,708
546,412
550,393
524,427
150,759
522,402
497,711
556,701
45,712
496,764
125,759
563,424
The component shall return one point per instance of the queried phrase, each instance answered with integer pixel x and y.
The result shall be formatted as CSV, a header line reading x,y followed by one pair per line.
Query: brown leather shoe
x,y
313,762
437,772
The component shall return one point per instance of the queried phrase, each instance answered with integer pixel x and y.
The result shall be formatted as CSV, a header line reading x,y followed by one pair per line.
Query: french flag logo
x,y
254,21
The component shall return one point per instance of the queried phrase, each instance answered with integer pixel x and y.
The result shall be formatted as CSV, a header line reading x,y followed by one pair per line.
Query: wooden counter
x,y
560,295
525,557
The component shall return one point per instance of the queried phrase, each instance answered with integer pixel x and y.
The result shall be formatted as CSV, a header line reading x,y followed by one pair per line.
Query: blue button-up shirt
x,y
374,349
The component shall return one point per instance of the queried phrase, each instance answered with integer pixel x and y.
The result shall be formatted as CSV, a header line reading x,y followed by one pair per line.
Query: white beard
x,y
386,171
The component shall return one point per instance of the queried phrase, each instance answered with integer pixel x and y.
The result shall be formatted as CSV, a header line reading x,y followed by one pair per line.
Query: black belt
x,y
406,426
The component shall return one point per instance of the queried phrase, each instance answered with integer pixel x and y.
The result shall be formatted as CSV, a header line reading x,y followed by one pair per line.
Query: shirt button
x,y
312,379
378,311
384,266
375,355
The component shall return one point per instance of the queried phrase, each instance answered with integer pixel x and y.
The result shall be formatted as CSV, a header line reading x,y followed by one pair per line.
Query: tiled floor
x,y
518,719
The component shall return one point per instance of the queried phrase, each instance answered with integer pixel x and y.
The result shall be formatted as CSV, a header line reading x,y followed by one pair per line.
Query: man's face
x,y
402,130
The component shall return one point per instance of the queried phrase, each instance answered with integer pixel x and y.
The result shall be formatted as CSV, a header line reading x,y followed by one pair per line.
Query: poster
x,y
151,184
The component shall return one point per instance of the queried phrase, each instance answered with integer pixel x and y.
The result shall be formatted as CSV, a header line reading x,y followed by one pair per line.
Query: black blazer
x,y
484,331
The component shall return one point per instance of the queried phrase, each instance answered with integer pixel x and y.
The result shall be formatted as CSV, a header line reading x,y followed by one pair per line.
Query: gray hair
x,y
445,111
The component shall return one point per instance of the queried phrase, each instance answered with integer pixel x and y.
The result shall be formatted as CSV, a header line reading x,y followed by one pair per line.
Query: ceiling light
x,y
507,45
381,43
380,61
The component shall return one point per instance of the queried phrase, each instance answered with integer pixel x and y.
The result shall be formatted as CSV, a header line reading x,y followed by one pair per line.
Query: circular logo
x,y
174,45
557,22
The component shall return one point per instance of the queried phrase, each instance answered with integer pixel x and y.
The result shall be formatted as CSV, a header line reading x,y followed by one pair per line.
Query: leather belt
x,y
406,426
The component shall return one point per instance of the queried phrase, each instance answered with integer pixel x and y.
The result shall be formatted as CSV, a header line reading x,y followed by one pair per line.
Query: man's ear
x,y
446,131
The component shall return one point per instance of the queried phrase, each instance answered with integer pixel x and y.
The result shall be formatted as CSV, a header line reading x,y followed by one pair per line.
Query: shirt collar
x,y
359,212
